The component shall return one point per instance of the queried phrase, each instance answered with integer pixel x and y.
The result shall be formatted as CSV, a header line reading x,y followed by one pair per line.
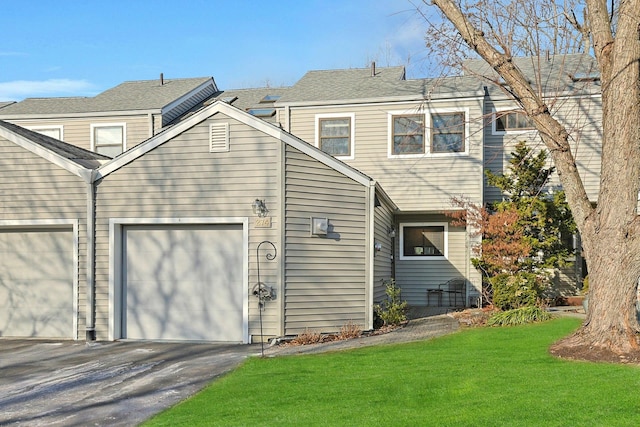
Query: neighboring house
x,y
175,254
116,119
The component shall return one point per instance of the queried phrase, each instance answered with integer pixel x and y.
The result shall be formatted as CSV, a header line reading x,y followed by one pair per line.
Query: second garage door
x,y
183,283
36,283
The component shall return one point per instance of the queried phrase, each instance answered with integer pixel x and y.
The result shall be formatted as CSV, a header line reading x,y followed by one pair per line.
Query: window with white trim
x,y
335,134
511,121
52,131
407,132
447,132
423,241
109,139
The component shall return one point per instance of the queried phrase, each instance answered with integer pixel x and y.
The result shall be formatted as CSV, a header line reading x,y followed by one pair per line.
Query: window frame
x,y
428,138
504,113
396,114
95,126
427,258
432,132
352,133
59,128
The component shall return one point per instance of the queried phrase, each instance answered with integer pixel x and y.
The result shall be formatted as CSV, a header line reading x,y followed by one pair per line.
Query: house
x,y
174,251
352,172
116,119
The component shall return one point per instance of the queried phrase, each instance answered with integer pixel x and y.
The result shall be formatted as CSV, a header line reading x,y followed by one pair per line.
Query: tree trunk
x,y
611,231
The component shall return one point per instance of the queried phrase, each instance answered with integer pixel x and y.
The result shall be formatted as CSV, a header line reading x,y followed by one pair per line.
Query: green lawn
x,y
477,377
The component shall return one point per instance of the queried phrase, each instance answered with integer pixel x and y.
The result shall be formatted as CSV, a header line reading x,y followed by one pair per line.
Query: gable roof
x,y
359,85
128,96
6,103
75,159
243,117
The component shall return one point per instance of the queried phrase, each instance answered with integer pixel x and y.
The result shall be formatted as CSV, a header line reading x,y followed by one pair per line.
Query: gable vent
x,y
218,137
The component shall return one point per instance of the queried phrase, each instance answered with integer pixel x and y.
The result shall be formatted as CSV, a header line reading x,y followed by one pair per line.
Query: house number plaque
x,y
263,222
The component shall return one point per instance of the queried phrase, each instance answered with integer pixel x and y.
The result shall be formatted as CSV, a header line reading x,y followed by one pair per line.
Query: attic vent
x,y
218,137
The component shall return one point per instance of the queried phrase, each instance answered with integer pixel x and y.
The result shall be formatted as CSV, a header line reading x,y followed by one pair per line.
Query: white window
x,y
407,134
52,131
448,132
423,241
335,134
440,132
510,121
109,139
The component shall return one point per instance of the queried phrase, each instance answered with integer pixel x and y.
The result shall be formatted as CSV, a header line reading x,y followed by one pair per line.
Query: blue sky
x,y
80,48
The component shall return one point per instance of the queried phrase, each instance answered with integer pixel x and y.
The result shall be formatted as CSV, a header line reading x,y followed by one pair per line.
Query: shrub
x,y
307,337
349,330
393,311
517,290
519,316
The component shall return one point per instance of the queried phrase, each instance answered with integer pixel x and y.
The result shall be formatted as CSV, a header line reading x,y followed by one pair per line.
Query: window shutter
x,y
218,137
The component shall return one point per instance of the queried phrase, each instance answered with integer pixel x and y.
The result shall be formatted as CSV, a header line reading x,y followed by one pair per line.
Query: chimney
x,y
373,69
161,79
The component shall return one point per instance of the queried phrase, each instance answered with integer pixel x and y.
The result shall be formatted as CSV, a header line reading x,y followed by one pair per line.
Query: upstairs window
x,y
408,134
422,241
108,139
447,132
52,131
335,136
505,122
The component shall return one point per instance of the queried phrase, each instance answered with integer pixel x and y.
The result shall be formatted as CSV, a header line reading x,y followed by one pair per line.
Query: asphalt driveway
x,y
104,384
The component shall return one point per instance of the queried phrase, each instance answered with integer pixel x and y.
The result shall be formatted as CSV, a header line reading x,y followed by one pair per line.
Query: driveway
x,y
113,383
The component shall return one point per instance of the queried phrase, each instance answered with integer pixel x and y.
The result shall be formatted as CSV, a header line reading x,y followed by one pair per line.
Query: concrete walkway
x,y
417,329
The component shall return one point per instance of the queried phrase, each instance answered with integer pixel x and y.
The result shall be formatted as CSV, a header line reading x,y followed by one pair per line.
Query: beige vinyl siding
x,y
77,131
416,275
382,260
35,189
583,118
326,277
422,183
182,179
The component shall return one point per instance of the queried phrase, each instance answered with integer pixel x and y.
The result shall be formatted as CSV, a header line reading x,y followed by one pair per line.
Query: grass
x,y
477,377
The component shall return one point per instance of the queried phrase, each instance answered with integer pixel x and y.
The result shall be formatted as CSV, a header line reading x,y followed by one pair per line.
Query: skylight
x,y
270,98
262,112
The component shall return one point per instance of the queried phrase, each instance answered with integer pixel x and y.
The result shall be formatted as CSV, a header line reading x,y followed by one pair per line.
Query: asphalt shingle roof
x,y
78,155
132,95
333,86
558,73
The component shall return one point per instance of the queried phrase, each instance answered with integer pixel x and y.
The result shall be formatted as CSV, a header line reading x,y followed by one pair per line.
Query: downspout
x,y
90,323
371,252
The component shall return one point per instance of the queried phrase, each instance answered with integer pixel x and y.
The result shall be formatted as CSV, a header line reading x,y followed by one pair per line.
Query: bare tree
x,y
610,231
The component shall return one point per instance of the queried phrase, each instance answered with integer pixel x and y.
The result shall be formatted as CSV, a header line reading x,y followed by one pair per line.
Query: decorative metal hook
x,y
262,295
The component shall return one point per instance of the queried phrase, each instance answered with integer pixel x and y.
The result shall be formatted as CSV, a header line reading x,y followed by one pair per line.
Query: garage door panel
x,y
184,283
36,283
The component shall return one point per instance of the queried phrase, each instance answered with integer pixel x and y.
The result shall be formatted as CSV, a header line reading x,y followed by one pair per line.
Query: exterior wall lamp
x,y
391,232
259,208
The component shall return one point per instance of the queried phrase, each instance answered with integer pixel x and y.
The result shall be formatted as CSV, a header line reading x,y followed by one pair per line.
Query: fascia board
x,y
388,99
8,117
55,158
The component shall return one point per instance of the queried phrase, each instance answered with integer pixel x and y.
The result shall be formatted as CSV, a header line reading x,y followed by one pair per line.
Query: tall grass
x,y
477,377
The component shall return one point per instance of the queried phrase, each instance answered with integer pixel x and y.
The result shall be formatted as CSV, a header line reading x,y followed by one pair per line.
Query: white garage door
x,y
36,283
183,283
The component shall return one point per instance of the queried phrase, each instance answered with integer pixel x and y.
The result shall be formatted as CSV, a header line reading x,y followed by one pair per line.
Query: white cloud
x,y
5,53
19,89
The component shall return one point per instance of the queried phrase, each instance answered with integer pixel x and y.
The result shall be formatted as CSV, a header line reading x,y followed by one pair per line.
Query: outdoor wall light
x,y
391,231
259,208
319,226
